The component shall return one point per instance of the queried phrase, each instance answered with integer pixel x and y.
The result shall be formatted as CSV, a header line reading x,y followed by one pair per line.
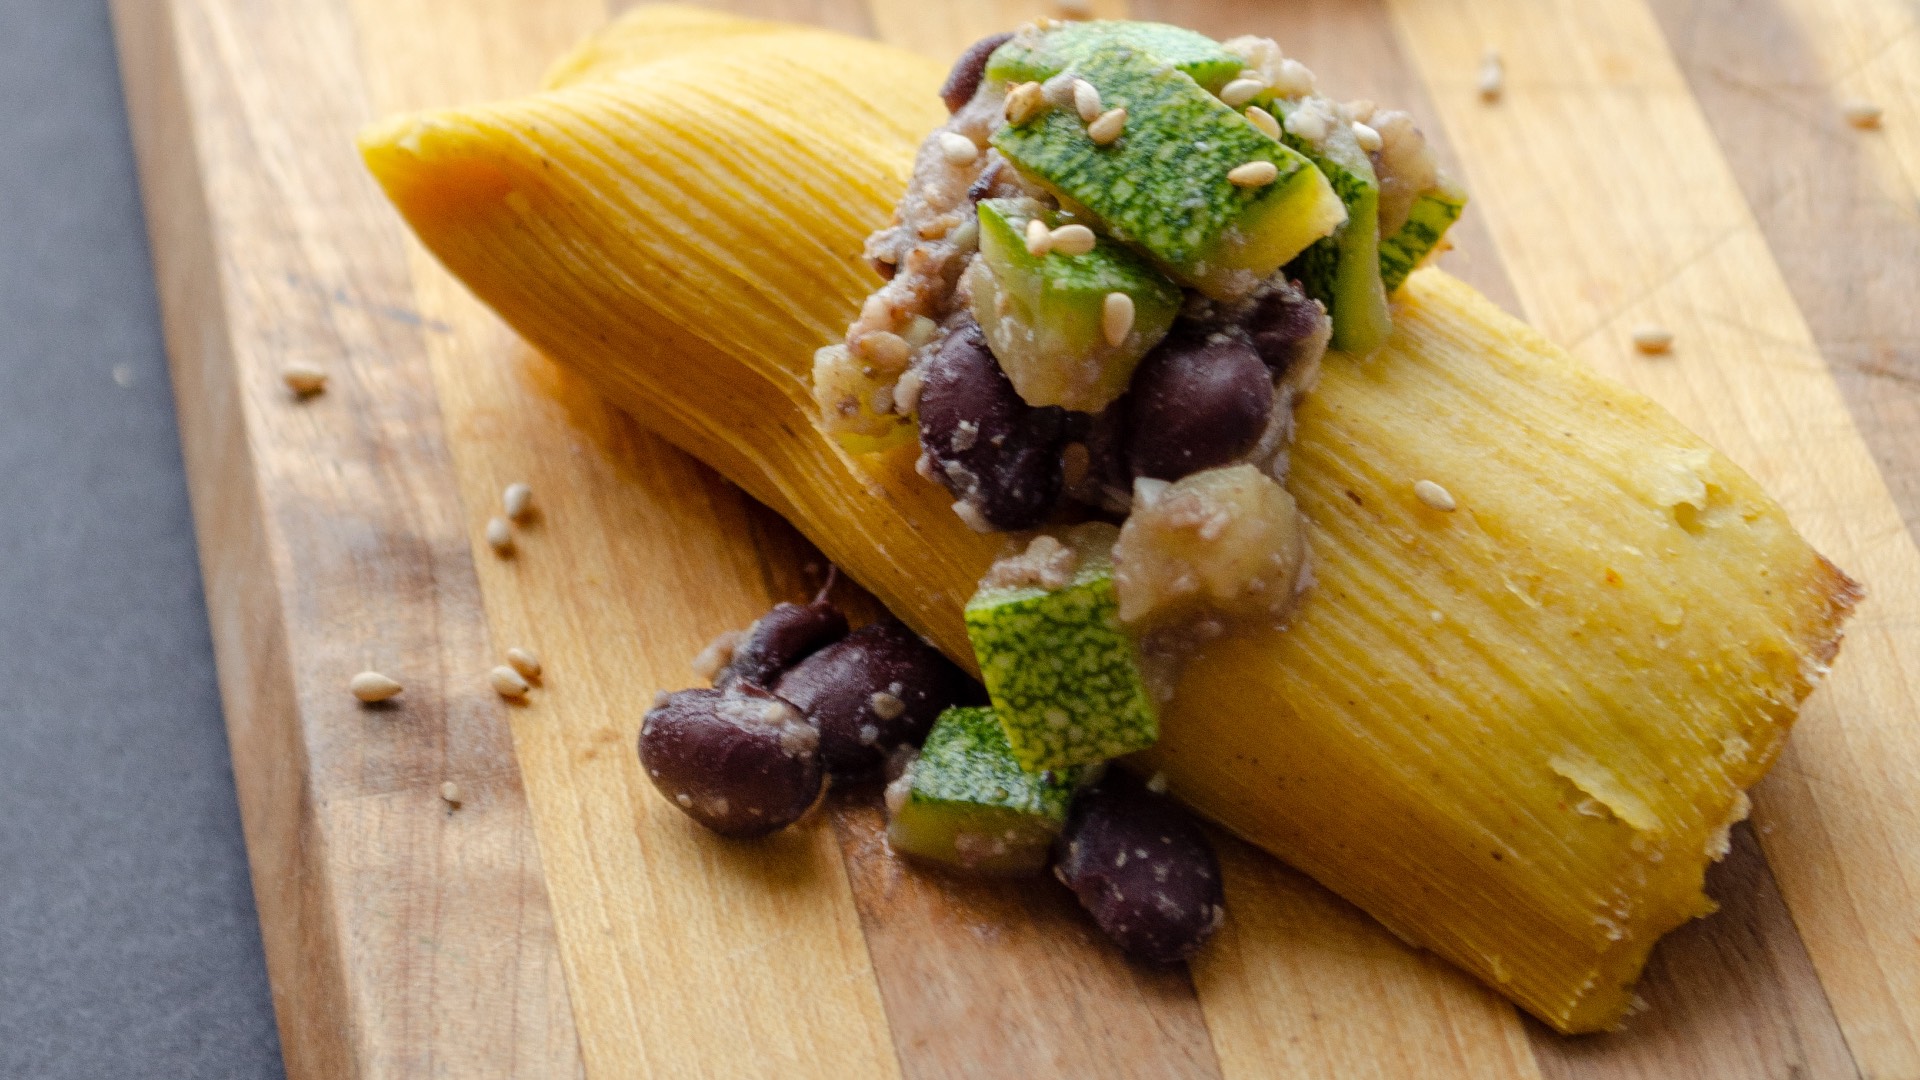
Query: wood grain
x,y
404,939
401,939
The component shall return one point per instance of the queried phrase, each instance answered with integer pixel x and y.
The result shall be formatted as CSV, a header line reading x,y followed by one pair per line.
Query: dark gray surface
x,y
129,947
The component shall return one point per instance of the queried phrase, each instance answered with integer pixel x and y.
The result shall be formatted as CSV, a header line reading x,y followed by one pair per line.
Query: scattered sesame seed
x,y
1116,318
1493,75
517,500
1157,783
1653,339
1862,114
123,375
1039,238
1024,102
1240,91
524,661
1434,496
1086,101
1366,136
1107,128
371,686
1262,119
507,682
958,149
450,792
499,536
1254,174
1075,9
886,705
1073,240
304,380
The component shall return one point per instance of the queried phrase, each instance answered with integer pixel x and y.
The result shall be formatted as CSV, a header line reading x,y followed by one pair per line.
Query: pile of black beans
x,y
1200,399
803,699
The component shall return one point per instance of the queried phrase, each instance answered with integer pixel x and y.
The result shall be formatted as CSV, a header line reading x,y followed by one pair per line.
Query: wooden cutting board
x,y
1680,162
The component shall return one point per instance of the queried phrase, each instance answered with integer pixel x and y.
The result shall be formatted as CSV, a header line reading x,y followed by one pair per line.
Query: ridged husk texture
x,y
1515,733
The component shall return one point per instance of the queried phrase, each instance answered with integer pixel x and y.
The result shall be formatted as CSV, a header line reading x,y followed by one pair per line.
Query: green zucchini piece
x,y
1342,271
1434,212
1162,187
1063,675
1043,317
969,805
1037,57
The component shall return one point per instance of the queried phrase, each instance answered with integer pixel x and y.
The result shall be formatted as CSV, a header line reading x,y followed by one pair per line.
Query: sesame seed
x,y
885,350
517,500
123,375
1039,238
1107,129
499,536
1157,783
1024,102
507,682
371,686
1116,318
1366,136
450,793
1086,101
1240,91
1862,114
957,148
1262,119
1434,496
1075,9
304,379
524,661
1493,75
1073,240
1254,174
1653,339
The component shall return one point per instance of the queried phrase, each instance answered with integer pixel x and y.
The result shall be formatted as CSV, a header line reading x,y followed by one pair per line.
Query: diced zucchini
x,y
1044,316
1342,271
1064,676
1037,57
1162,186
847,394
1434,212
968,804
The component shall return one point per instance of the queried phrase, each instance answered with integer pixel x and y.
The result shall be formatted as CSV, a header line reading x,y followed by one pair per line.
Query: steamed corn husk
x,y
1515,733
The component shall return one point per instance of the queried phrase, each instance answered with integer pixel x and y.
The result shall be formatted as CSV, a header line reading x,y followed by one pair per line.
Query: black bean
x,y
1196,402
989,448
967,71
1106,483
1143,868
1288,326
878,688
780,639
740,761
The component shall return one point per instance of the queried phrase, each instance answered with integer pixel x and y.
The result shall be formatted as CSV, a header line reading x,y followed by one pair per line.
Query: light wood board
x,y
1672,161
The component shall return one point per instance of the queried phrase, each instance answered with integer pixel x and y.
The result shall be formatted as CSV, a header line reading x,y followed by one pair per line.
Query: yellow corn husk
x,y
1515,733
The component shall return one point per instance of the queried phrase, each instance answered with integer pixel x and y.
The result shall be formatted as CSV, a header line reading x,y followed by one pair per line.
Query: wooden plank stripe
x,y
1837,205
1610,199
688,956
325,553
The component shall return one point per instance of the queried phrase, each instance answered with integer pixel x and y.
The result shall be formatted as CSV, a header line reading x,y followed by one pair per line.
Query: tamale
x,y
1516,733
